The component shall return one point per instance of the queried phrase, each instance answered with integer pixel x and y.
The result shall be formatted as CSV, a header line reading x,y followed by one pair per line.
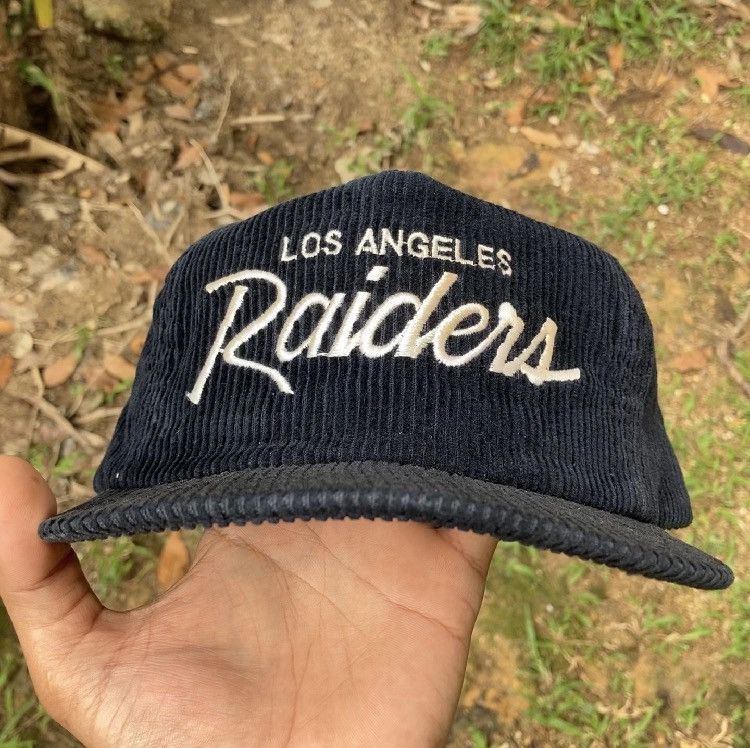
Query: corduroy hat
x,y
392,348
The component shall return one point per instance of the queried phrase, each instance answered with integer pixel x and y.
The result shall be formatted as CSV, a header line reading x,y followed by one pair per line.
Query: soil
x,y
91,252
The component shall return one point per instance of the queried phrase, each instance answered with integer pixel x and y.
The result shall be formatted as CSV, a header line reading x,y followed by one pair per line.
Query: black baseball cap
x,y
393,348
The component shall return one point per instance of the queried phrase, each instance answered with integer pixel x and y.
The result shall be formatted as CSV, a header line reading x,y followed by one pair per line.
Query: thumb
x,y
42,585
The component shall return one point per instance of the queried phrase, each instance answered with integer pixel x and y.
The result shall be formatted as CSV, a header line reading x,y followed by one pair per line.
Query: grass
x,y
422,114
109,564
273,182
558,612
603,659
437,45
659,175
566,49
17,708
421,118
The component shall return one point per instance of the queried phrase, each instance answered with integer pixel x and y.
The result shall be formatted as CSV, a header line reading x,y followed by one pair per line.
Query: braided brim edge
x,y
375,490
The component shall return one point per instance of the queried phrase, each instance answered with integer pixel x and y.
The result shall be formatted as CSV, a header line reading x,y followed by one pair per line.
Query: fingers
x,y
42,585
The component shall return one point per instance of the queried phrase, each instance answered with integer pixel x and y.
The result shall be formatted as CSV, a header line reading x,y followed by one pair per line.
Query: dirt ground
x,y
628,128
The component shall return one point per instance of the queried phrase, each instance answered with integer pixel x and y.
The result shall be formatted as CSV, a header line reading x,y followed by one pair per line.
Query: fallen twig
x,y
50,411
270,118
724,350
231,77
98,415
172,230
142,320
232,20
430,5
20,145
235,213
160,248
220,191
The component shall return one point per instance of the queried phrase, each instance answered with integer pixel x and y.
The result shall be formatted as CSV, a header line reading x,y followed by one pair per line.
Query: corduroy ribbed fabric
x,y
299,388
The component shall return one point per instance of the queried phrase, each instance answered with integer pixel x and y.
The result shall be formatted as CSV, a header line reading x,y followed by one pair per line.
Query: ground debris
x,y
118,367
710,80
540,137
724,140
616,57
693,360
174,85
20,147
7,241
173,560
6,369
60,371
131,20
465,19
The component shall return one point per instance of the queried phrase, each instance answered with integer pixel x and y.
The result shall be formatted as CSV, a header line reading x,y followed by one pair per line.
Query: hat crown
x,y
398,320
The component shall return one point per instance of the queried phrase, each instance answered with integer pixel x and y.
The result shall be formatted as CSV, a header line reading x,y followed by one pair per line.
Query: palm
x,y
312,632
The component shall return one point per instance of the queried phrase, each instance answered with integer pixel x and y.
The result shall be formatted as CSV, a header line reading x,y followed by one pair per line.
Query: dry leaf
x,y
179,112
109,112
164,60
464,18
92,256
616,56
144,73
694,360
189,72
539,137
246,200
60,371
587,77
119,368
173,561
136,343
154,273
265,158
175,86
514,114
7,241
710,80
98,379
7,327
6,369
190,155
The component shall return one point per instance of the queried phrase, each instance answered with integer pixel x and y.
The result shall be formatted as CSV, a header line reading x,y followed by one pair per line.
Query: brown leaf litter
x,y
60,371
174,560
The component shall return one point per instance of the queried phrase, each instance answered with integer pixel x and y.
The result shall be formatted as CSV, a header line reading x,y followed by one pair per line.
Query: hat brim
x,y
389,491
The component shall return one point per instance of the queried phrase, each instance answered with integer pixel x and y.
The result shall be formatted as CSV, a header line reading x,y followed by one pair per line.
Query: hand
x,y
310,633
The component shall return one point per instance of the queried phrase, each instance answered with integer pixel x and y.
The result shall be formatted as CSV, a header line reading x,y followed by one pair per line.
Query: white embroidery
x,y
485,256
367,243
377,273
366,344
312,244
236,302
409,342
386,241
449,327
412,342
229,352
300,308
316,339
